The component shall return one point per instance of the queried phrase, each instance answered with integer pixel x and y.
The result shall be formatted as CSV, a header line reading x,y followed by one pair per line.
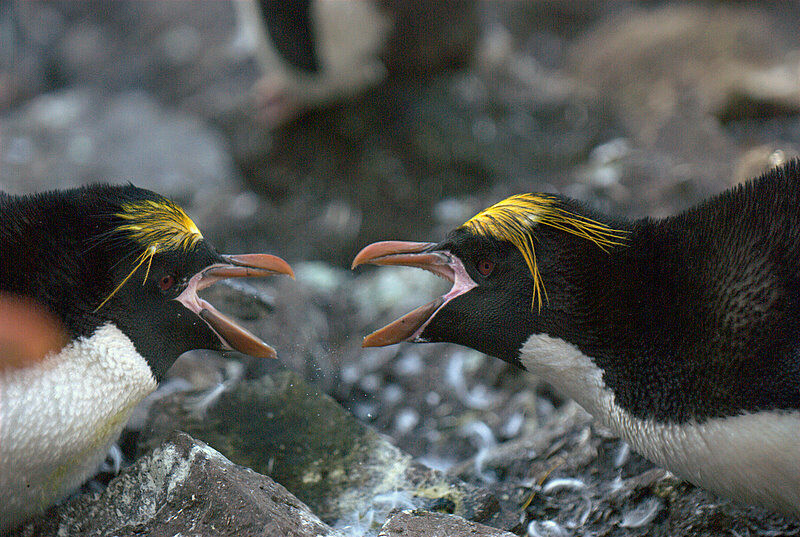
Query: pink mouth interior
x,y
197,305
410,326
189,296
462,282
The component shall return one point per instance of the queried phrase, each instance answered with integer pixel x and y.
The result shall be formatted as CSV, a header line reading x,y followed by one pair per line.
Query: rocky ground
x,y
636,108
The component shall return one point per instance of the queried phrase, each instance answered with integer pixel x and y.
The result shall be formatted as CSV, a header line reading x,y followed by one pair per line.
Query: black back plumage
x,y
46,250
690,317
699,316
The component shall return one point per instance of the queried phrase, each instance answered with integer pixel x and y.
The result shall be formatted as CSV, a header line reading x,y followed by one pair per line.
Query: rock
x,y
442,403
694,69
763,92
184,487
348,474
703,58
184,54
78,136
641,182
28,31
307,327
577,478
427,524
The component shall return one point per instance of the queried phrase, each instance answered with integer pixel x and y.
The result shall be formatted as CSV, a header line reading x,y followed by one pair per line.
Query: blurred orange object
x,y
28,332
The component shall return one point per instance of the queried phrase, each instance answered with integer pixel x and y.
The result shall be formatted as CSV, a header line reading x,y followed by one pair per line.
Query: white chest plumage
x,y
753,458
57,420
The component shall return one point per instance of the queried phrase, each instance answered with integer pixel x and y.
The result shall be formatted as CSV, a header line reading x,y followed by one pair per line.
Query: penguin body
x,y
680,334
749,457
60,417
118,268
313,53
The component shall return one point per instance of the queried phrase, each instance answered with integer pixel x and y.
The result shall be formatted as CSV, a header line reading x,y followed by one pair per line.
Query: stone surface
x,y
427,524
710,59
694,69
348,474
184,487
181,52
79,136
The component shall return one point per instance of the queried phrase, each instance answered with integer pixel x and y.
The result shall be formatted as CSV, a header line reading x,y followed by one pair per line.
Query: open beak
x,y
232,336
420,255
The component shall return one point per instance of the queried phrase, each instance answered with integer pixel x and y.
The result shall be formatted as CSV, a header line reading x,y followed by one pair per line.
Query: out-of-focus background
x,y
637,108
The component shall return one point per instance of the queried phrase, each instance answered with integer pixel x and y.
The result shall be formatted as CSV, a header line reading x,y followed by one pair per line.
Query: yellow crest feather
x,y
515,219
159,226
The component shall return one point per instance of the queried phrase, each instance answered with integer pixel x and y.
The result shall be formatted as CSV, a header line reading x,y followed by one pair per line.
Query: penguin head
x,y
124,255
512,267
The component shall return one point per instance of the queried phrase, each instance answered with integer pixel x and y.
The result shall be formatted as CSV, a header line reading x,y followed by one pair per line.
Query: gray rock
x,y
184,487
25,31
348,474
427,524
693,70
186,54
702,59
78,136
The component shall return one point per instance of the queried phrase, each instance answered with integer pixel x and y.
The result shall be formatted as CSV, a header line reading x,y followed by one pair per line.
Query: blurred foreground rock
x,y
184,487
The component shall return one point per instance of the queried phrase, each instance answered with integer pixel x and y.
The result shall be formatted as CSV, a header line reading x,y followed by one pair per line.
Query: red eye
x,y
485,267
166,282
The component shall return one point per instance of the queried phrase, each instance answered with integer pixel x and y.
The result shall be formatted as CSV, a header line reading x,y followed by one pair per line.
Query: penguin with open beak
x,y
106,280
682,334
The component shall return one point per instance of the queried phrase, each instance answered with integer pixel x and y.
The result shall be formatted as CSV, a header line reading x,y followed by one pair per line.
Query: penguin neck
x,y
110,361
694,318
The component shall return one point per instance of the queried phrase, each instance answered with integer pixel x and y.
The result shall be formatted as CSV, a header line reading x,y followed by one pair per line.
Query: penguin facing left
x,y
679,334
119,267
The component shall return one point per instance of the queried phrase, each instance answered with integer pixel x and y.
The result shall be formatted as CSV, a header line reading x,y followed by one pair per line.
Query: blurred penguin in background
x,y
316,52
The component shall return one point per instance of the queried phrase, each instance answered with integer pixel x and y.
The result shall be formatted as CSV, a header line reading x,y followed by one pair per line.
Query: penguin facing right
x,y
119,268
